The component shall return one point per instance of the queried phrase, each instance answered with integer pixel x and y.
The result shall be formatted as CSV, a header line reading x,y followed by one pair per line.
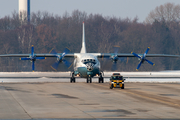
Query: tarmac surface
x,y
51,100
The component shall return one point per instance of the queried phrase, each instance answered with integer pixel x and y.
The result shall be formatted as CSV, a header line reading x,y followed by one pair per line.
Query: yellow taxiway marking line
x,y
144,96
166,102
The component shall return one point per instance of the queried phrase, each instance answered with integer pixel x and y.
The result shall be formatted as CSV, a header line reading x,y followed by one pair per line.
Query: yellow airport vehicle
x,y
116,81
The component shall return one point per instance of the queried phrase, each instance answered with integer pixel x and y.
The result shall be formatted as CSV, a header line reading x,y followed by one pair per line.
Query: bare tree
x,y
168,12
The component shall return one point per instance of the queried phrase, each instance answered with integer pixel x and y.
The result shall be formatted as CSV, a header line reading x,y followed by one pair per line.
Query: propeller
x,y
32,58
115,58
60,58
142,58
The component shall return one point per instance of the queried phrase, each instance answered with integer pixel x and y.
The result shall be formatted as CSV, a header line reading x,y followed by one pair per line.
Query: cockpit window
x,y
89,60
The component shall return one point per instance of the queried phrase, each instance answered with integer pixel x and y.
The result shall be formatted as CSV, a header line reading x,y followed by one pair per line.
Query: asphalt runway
x,y
38,98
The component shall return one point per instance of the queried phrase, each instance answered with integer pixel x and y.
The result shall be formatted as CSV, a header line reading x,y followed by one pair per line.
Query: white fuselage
x,y
86,64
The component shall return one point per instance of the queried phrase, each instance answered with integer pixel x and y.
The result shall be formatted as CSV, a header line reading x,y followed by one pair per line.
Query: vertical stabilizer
x,y
83,49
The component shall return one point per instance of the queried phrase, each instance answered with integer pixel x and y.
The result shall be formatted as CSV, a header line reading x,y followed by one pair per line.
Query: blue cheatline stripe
x,y
28,10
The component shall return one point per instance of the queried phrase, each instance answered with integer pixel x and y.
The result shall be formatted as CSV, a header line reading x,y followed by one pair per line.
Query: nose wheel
x,y
89,80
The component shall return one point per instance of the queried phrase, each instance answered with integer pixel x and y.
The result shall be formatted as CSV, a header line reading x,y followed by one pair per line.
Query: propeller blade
x,y
67,50
40,58
55,65
147,50
135,54
150,62
25,58
139,65
53,51
116,49
32,50
33,65
114,66
67,63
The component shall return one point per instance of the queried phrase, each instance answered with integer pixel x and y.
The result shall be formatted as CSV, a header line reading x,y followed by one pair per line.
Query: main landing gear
x,y
89,79
101,79
72,79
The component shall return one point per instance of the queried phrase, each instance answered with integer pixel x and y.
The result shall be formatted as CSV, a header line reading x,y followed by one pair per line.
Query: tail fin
x,y
83,49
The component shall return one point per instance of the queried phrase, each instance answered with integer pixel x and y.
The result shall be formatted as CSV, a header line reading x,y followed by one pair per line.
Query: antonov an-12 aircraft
x,y
86,65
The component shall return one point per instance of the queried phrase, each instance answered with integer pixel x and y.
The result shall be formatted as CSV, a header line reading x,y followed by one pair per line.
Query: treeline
x,y
46,31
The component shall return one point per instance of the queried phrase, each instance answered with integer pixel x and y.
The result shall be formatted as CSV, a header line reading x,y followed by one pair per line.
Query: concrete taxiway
x,y
43,98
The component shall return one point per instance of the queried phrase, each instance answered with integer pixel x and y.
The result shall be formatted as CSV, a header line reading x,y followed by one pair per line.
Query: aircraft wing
x,y
32,57
55,55
99,55
102,55
37,55
15,55
162,55
142,57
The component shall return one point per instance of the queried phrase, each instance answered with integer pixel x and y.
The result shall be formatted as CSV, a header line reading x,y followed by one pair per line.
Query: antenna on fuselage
x,y
83,49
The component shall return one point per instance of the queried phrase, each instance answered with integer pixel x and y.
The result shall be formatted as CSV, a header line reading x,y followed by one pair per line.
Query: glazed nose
x,y
89,66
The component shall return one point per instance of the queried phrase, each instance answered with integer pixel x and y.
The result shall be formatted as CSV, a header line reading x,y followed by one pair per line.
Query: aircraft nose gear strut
x,y
89,79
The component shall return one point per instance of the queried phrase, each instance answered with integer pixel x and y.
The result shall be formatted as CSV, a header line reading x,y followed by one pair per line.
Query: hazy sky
x,y
118,8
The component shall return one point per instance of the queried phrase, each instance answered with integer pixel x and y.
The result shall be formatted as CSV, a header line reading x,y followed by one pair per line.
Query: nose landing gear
x,y
89,80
